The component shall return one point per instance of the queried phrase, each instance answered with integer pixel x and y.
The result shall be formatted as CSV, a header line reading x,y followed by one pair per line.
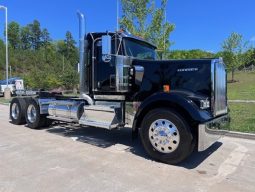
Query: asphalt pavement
x,y
67,158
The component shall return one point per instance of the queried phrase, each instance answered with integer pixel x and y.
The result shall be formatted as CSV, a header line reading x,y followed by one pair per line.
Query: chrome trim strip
x,y
212,85
110,97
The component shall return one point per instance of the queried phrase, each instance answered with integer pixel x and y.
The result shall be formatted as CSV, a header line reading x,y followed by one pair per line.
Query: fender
x,y
173,100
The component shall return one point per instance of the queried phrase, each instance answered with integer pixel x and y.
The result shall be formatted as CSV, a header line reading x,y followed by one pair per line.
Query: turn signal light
x,y
166,88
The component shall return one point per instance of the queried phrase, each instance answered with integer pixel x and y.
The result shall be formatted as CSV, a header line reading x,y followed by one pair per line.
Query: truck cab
x,y
174,105
122,47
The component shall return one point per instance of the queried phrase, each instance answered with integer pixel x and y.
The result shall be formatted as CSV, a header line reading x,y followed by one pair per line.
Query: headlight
x,y
204,104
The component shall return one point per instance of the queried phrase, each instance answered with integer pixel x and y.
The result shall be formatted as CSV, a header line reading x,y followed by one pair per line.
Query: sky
x,y
200,24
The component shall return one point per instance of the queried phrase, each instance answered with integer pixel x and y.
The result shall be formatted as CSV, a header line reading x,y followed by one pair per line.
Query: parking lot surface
x,y
68,158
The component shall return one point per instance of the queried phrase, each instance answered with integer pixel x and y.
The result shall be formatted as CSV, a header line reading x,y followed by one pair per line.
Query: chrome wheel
x,y
164,136
31,113
15,111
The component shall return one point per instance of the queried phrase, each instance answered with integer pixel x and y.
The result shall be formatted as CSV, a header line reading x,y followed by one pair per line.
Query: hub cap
x,y
31,113
164,136
15,111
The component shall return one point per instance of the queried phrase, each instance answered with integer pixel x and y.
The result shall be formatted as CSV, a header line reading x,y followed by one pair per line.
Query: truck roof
x,y
125,35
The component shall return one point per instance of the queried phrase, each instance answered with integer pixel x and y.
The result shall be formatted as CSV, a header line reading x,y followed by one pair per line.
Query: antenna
x,y
117,21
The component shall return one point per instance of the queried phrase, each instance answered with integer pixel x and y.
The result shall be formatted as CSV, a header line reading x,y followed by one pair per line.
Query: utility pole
x,y
6,41
7,90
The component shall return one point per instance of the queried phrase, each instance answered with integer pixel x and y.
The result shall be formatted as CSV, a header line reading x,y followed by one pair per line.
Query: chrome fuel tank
x,y
71,109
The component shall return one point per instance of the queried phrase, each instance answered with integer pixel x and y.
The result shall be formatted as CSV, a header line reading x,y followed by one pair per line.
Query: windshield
x,y
139,50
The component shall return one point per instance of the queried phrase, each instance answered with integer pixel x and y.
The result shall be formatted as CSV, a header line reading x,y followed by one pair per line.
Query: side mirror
x,y
106,48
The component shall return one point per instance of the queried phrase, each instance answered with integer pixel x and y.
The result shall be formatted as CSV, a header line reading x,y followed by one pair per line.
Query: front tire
x,y
166,136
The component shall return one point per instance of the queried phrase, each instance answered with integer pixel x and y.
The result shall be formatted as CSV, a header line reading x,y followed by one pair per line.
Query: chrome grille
x,y
219,87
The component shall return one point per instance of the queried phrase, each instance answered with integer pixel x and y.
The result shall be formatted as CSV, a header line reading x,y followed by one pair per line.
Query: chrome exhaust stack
x,y
83,59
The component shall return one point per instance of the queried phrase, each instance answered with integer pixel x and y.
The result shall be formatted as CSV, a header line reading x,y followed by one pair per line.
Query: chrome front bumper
x,y
210,132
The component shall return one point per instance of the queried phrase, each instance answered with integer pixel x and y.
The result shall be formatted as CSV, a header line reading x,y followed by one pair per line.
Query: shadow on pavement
x,y
105,138
101,137
196,158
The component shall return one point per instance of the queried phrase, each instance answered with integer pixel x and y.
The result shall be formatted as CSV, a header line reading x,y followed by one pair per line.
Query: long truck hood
x,y
202,77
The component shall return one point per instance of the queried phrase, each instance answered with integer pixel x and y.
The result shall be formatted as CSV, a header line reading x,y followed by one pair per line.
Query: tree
x,y
250,61
35,32
189,54
144,19
61,47
68,49
25,38
234,48
37,59
70,78
46,45
45,37
14,34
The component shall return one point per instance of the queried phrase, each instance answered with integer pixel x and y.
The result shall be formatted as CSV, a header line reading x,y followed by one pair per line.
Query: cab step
x,y
108,117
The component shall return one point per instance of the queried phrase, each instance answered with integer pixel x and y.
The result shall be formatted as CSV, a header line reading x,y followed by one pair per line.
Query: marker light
x,y
166,88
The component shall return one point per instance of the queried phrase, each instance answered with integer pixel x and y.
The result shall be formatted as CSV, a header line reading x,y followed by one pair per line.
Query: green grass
x,y
4,101
242,117
242,114
71,95
244,89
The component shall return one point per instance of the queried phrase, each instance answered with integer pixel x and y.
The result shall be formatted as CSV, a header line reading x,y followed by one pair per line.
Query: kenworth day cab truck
x,y
175,105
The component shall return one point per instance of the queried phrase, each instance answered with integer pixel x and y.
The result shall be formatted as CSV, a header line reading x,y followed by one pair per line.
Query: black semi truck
x,y
175,105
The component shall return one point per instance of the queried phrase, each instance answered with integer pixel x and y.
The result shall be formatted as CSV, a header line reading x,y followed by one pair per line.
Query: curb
x,y
241,101
250,136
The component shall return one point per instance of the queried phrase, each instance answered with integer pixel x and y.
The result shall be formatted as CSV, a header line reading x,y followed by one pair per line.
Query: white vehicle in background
x,y
15,84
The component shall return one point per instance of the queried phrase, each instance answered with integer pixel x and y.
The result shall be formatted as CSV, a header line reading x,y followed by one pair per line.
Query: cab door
x,y
105,71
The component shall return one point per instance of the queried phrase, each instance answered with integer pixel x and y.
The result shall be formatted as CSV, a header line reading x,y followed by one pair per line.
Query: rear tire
x,y
33,118
17,111
166,136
